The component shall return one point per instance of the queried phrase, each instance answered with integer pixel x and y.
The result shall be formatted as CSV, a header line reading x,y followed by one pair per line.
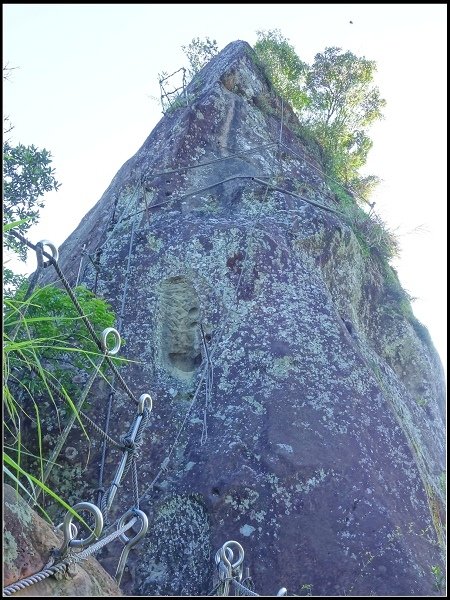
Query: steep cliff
x,y
298,405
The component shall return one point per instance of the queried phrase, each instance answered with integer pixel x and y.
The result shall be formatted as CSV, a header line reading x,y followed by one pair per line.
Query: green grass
x,y
45,343
439,578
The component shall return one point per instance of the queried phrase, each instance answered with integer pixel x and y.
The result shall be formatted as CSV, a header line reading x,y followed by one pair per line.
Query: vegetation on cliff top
x,y
336,102
335,99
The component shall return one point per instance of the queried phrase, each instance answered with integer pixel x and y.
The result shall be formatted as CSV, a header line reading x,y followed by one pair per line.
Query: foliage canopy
x,y
343,103
27,175
198,53
335,99
283,66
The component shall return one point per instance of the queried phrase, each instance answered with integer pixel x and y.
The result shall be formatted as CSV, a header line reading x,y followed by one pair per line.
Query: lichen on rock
x,y
28,541
318,442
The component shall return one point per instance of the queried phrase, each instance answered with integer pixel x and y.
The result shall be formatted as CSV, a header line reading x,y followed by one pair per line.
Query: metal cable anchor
x,y
67,527
54,252
227,569
73,529
130,542
144,400
115,349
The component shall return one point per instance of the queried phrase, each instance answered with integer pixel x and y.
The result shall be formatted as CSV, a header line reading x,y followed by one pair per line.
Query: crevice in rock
x,y
179,339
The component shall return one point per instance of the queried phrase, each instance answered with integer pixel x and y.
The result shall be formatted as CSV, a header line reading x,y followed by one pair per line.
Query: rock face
x,y
298,408
27,541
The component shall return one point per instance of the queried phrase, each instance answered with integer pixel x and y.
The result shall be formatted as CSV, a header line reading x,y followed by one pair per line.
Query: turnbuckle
x,y
144,400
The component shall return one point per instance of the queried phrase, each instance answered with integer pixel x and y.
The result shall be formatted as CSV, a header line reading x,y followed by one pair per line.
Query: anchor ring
x,y
143,400
67,526
54,252
134,512
115,349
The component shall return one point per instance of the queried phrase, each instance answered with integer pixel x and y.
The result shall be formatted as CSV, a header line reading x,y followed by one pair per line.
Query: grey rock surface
x,y
307,420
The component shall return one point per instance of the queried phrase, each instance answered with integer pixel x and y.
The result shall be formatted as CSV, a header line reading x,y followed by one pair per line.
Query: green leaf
x,y
8,226
11,462
32,498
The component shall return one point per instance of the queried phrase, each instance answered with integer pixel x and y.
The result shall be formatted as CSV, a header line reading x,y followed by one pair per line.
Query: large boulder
x,y
298,404
27,542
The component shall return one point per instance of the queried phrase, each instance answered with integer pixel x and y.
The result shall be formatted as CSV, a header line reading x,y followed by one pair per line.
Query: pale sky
x,y
87,85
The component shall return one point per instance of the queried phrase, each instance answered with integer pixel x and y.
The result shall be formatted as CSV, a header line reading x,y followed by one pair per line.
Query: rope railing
x,y
130,443
112,394
52,568
229,573
165,95
77,305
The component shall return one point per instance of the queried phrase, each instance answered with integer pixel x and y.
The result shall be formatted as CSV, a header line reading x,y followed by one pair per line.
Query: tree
x,y
335,100
283,67
340,92
7,125
45,341
27,175
198,53
343,103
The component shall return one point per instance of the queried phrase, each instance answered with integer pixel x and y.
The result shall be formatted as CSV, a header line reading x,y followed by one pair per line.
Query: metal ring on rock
x,y
73,529
224,558
54,253
67,529
230,553
143,400
134,512
118,341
